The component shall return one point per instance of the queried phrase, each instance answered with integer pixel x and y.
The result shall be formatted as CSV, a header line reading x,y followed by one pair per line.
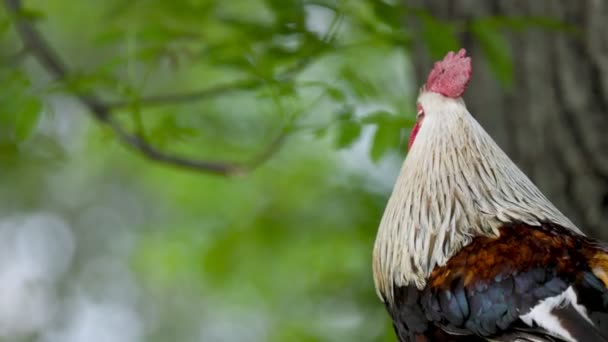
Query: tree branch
x,y
49,59
245,84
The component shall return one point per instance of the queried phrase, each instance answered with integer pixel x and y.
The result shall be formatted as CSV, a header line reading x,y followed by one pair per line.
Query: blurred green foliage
x,y
289,244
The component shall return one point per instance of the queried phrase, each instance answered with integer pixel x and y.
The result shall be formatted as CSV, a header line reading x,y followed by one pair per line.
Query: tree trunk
x,y
554,121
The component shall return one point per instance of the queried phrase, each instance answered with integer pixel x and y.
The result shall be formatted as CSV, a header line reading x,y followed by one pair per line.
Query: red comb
x,y
450,76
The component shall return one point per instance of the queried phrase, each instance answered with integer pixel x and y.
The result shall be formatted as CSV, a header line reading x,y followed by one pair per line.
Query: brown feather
x,y
519,248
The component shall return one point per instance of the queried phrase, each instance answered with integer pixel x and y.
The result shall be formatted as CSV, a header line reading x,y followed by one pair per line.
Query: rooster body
x,y
469,248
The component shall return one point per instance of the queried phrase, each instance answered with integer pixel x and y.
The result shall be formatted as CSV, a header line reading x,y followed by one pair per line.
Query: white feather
x,y
542,314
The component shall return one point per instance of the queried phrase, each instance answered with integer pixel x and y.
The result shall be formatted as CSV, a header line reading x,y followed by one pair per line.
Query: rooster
x,y
469,249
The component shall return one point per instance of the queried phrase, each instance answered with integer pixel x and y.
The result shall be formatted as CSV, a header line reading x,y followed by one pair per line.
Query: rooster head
x,y
448,78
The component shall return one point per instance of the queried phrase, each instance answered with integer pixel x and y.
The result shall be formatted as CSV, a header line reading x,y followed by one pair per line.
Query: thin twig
x,y
159,100
224,89
49,59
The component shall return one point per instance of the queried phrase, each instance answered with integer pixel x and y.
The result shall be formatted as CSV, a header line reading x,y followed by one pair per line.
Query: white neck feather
x,y
454,185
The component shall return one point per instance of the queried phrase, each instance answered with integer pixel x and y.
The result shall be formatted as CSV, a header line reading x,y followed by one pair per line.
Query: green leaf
x,y
345,113
348,132
320,132
360,85
30,14
382,117
390,13
378,117
5,24
496,49
290,14
169,130
335,93
439,37
27,119
9,152
387,137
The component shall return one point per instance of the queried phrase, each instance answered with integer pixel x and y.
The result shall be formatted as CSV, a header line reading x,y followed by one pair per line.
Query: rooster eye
x,y
419,114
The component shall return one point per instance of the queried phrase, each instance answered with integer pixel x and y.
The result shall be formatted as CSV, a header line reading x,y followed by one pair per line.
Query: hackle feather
x,y
455,184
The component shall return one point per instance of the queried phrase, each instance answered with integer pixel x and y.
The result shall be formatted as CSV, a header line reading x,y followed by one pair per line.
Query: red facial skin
x,y
419,117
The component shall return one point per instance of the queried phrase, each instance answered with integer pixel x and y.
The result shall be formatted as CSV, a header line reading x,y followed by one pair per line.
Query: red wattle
x,y
413,135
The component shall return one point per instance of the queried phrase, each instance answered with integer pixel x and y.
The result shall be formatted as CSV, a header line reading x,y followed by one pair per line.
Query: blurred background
x,y
200,170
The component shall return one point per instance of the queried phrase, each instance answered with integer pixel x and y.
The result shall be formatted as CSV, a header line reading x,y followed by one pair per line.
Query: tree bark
x,y
554,121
